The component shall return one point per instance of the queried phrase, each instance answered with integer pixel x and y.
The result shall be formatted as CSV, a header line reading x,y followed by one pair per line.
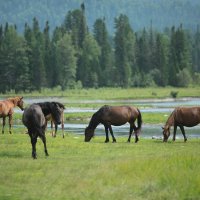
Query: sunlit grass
x,y
78,170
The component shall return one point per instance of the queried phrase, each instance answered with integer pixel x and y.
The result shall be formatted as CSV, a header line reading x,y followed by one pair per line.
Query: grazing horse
x,y
117,116
34,119
51,119
7,109
181,116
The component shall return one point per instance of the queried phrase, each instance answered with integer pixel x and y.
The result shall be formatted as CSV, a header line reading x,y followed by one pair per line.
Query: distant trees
x,y
72,56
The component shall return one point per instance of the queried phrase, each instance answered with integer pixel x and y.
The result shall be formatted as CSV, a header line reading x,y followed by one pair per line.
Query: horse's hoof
x,y
106,141
114,141
185,140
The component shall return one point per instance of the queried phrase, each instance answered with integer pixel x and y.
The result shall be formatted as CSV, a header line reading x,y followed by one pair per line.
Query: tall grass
x,y
77,170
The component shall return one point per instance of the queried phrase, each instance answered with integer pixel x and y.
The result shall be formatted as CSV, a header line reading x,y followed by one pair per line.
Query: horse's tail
x,y
139,120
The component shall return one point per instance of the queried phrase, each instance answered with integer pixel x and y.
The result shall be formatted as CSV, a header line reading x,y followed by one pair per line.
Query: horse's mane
x,y
170,120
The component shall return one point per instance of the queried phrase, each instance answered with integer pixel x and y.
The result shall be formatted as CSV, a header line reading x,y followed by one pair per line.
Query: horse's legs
x,y
43,138
10,123
111,132
56,128
174,134
183,132
136,133
107,137
130,133
63,134
52,133
33,142
4,122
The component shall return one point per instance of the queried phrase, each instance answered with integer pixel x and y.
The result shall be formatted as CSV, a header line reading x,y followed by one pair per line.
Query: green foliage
x,y
65,62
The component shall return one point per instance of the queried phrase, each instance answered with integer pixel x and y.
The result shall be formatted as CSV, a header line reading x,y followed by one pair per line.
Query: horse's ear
x,y
21,98
162,128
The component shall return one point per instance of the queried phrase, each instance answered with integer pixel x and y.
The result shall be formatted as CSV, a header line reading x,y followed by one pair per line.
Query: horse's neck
x,y
170,121
45,109
12,101
94,122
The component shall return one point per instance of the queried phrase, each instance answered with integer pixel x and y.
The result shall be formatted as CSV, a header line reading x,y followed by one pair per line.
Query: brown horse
x,y
181,116
7,109
117,116
51,119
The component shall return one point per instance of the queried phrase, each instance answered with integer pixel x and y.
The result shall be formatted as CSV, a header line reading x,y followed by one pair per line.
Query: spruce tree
x,y
124,50
105,60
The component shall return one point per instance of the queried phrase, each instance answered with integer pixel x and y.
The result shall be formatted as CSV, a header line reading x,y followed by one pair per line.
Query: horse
x,y
181,116
7,109
51,119
117,116
34,119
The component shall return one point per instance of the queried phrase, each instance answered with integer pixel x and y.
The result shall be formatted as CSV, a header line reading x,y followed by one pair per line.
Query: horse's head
x,y
166,133
19,102
56,112
89,133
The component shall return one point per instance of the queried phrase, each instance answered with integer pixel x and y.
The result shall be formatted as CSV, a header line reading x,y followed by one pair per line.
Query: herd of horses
x,y
36,116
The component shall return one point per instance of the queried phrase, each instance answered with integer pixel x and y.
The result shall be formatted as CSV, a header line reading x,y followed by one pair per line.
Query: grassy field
x,y
113,93
75,170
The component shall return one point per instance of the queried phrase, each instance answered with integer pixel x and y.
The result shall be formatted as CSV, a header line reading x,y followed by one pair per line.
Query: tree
x,y
105,59
89,67
22,67
196,51
179,54
161,78
37,68
65,62
124,50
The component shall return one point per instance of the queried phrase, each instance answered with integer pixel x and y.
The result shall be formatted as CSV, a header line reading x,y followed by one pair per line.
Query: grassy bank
x,y
77,170
84,117
113,93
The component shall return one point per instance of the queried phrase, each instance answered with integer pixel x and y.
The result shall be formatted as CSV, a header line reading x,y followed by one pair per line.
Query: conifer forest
x,y
72,55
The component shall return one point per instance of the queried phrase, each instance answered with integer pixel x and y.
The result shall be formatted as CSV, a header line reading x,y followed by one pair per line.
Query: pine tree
x,y
160,62
89,63
22,67
196,51
105,60
65,62
124,50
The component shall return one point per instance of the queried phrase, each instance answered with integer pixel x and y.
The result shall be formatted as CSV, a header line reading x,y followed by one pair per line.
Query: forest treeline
x,y
74,57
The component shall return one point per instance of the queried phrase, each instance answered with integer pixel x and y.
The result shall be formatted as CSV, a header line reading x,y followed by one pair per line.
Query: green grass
x,y
150,169
113,93
84,117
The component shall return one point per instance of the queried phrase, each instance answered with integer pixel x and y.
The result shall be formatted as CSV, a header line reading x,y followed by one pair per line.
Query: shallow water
x,y
146,105
148,130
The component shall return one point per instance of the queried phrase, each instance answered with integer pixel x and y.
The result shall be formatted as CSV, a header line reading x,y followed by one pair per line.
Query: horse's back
x,y
33,116
187,116
118,115
4,108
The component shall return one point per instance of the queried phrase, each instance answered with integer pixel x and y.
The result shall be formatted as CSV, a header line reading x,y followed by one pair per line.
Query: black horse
x,y
117,116
34,119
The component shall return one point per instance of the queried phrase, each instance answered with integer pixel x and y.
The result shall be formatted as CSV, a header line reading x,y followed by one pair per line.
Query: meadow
x,y
149,169
76,170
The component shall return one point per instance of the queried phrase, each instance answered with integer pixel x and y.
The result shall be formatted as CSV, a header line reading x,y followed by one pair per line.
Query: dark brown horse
x,y
34,119
181,116
7,109
117,116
